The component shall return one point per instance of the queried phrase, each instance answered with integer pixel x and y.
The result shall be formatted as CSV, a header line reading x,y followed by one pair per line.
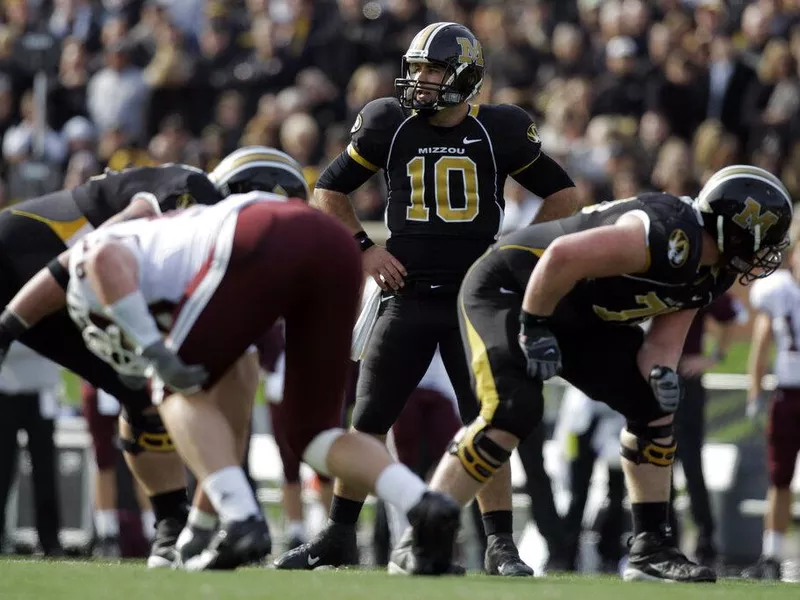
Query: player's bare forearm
x,y
40,297
663,343
139,208
759,351
559,205
112,271
337,205
601,252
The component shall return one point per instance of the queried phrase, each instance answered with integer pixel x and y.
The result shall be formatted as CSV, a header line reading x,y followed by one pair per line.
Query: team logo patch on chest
x,y
678,248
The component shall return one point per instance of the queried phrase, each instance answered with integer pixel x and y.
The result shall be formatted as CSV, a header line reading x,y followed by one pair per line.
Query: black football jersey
x,y
445,203
673,280
172,185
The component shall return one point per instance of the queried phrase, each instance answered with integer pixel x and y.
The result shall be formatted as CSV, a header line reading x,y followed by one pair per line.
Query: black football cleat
x,y
502,557
235,544
192,541
654,557
163,554
426,548
767,568
334,546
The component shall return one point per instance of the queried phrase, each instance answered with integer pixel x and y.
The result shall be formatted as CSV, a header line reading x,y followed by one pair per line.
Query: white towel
x,y
370,303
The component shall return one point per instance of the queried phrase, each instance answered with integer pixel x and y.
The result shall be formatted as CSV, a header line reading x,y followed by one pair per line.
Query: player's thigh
x,y
783,441
399,352
291,462
454,358
601,362
509,399
319,329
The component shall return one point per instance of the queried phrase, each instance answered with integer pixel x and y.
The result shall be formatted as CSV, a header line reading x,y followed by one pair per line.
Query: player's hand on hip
x,y
385,269
183,378
667,387
540,346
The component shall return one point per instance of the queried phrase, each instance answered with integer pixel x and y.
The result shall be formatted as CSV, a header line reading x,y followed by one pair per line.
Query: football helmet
x,y
748,211
260,168
458,51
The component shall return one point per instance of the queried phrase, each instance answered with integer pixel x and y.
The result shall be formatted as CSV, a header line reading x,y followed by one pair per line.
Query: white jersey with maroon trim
x,y
171,252
779,296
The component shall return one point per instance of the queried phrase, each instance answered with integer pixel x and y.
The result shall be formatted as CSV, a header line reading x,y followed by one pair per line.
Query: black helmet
x,y
748,211
259,168
458,51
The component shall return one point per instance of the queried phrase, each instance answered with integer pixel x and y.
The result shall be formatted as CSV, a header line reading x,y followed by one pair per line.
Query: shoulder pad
x,y
380,114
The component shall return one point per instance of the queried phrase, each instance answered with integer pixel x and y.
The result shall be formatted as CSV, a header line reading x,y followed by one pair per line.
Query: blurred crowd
x,y
628,94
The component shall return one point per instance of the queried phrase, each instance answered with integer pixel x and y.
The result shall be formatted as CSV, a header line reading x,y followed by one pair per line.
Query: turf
x,y
65,580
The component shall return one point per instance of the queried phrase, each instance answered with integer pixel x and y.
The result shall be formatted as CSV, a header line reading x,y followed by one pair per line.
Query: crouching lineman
x,y
34,233
225,274
565,296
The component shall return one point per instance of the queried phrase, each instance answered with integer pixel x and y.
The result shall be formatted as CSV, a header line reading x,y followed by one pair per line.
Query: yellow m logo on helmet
x,y
471,51
752,217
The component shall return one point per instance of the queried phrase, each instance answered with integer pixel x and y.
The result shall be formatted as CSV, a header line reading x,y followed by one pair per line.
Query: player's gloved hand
x,y
183,378
133,382
539,346
667,387
11,328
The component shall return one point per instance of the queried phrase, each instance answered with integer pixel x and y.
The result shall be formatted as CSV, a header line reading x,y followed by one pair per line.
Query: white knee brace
x,y
316,453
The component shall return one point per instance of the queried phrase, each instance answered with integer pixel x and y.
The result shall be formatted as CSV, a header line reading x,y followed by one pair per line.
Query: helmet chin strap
x,y
720,233
756,238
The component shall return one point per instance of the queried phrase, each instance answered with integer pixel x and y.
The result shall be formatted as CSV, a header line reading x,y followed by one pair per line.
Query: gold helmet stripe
x,y
226,170
737,171
420,40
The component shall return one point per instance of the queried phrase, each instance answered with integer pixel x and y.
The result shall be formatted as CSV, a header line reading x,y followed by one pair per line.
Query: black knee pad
x,y
479,455
148,433
647,450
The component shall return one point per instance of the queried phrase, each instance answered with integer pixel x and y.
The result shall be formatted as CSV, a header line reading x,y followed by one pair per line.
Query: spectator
x,y
118,94
28,383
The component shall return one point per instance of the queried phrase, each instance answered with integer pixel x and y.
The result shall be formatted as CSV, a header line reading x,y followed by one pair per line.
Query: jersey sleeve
x,y
184,186
674,247
515,139
372,132
763,296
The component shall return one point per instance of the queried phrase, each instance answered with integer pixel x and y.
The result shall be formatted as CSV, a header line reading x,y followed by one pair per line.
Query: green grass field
x,y
64,580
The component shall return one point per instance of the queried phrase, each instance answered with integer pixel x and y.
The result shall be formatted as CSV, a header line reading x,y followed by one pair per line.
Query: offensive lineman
x,y
565,297
214,280
35,232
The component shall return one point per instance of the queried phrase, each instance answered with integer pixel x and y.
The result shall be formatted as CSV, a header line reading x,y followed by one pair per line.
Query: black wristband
x,y
529,320
363,241
59,273
11,327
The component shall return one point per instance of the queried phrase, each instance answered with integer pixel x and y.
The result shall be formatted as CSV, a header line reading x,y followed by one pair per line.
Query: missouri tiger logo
x,y
185,201
357,125
533,134
678,248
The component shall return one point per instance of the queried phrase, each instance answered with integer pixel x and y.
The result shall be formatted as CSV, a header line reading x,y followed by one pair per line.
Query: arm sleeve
x,y
543,177
761,297
344,175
